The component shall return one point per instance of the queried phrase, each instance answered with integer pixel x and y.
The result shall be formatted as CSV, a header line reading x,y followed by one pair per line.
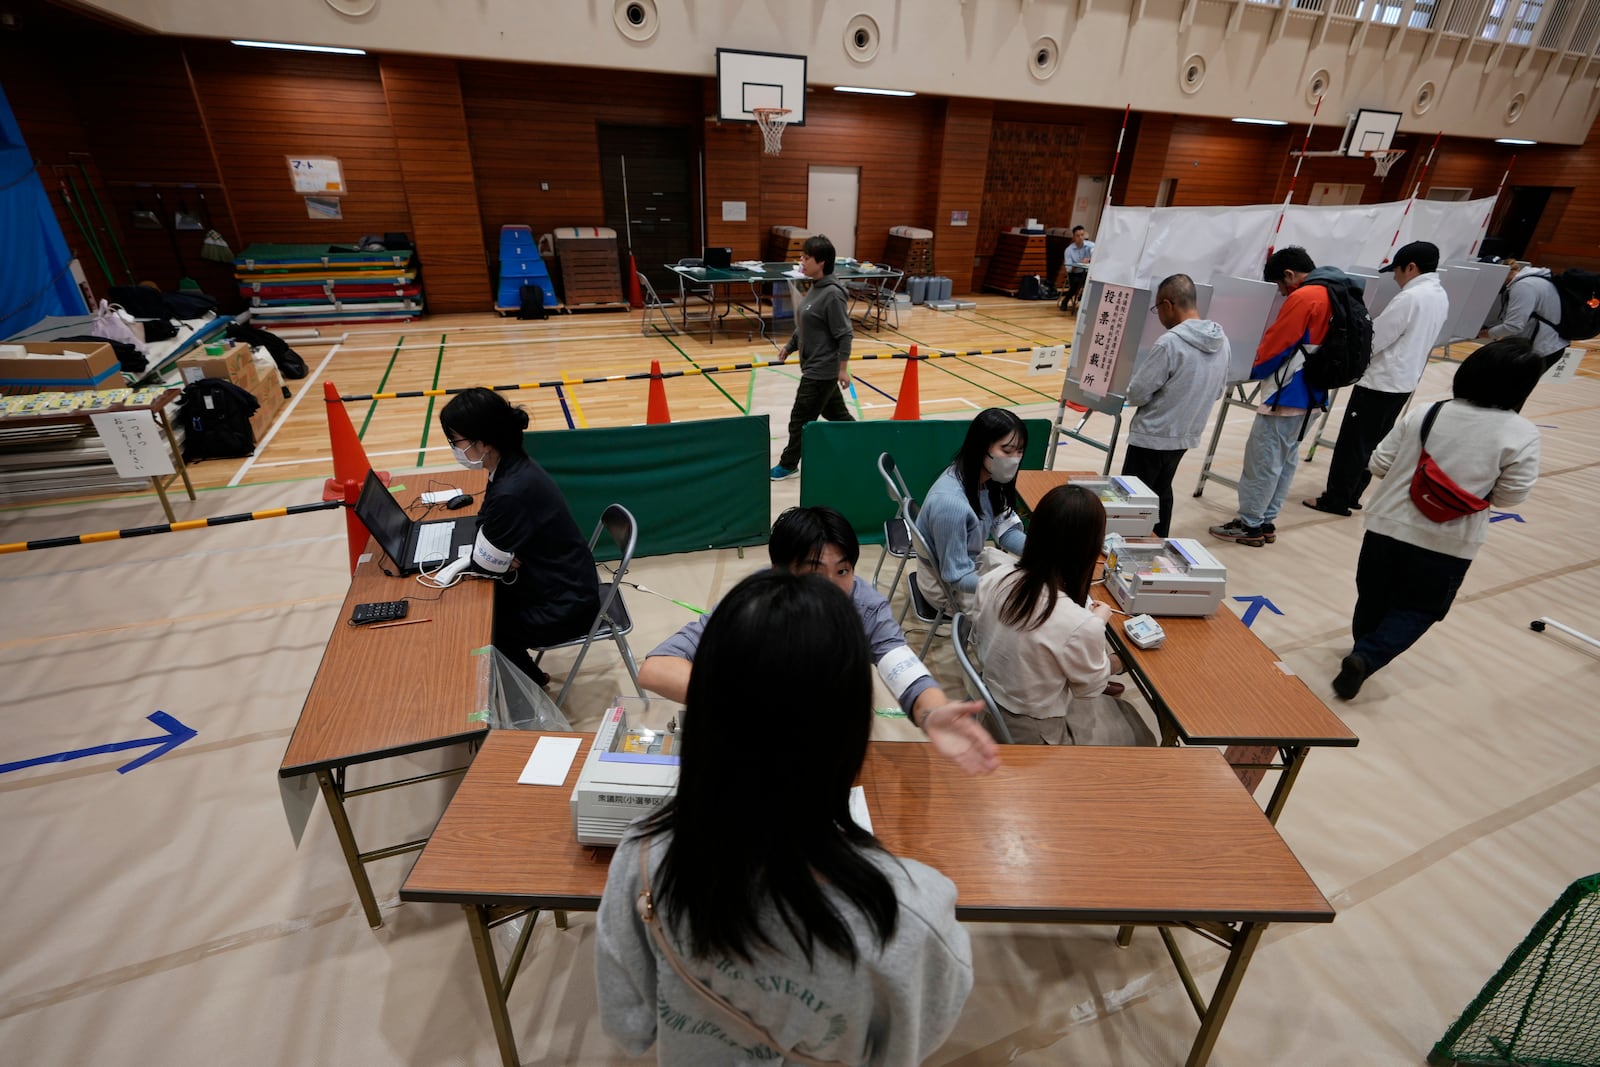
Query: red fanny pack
x,y
1433,491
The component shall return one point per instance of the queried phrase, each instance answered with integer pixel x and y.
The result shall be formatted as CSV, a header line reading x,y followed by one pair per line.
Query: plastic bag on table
x,y
516,703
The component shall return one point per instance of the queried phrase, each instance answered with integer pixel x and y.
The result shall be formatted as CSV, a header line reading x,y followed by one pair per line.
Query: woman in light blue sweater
x,y
973,501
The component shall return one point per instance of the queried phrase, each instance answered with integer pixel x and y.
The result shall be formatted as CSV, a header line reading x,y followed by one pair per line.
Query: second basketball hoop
x,y
772,121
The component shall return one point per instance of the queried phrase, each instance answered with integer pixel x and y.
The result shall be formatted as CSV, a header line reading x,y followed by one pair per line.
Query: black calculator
x,y
378,611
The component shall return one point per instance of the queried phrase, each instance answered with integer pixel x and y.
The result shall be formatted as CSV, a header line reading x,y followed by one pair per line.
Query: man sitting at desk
x,y
819,540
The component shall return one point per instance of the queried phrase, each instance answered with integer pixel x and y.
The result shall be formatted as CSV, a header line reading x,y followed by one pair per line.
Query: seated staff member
x,y
548,591
1045,656
738,929
974,500
820,541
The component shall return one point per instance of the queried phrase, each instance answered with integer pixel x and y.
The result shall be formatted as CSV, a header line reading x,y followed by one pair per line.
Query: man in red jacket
x,y
1271,453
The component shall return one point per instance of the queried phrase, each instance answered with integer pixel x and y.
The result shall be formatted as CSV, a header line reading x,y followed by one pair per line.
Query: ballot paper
x,y
552,758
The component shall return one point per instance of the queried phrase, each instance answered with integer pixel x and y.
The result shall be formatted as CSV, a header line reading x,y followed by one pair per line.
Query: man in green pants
x,y
822,336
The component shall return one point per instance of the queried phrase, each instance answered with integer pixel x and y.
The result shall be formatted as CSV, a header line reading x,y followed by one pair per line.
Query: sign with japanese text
x,y
318,175
135,442
1104,334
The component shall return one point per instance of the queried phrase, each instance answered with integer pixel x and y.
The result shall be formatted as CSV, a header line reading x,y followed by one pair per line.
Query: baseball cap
x,y
1424,254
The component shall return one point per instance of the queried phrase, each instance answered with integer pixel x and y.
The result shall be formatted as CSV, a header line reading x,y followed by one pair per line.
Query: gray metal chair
x,y
916,601
697,294
961,637
613,619
655,308
896,538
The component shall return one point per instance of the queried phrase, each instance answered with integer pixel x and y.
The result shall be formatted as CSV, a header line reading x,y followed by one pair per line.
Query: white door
x,y
832,194
1087,204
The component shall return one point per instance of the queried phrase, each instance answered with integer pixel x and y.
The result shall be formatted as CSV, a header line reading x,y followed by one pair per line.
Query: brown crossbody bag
x,y
1433,491
645,906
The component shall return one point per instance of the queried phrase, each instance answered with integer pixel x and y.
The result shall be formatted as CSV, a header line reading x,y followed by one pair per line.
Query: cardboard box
x,y
233,364
271,401
66,367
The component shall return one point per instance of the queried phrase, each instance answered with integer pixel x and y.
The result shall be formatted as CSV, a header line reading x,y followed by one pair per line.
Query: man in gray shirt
x,y
819,540
822,336
1532,310
1173,386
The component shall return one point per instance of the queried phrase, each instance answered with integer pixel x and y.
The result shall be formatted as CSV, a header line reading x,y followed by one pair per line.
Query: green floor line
x,y
750,394
1024,337
1003,378
939,364
362,433
438,368
709,378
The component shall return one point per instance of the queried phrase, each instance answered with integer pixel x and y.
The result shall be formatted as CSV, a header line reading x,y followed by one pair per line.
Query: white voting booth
x,y
1223,249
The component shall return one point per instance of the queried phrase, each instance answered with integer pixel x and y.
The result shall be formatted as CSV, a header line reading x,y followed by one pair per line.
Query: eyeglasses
x,y
1157,306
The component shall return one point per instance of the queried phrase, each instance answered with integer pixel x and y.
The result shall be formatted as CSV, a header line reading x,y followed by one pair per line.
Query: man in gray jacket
x,y
1173,386
822,335
1532,310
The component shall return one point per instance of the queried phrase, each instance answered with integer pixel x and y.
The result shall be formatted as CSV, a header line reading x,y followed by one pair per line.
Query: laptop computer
x,y
399,535
721,258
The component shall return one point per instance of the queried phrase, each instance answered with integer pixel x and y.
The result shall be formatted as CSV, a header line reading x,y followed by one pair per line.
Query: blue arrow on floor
x,y
1501,516
175,734
1256,604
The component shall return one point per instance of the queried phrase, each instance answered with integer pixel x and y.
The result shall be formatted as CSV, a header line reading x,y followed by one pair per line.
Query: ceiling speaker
x,y
1045,58
1514,108
636,20
1192,73
1427,92
861,38
1317,86
353,8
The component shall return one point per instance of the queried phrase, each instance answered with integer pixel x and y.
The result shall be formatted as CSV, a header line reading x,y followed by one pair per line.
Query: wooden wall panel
x,y
1144,160
424,97
1218,162
962,177
1032,173
733,172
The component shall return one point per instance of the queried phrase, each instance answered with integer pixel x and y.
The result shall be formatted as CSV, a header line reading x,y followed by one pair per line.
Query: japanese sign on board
x,y
1105,339
137,448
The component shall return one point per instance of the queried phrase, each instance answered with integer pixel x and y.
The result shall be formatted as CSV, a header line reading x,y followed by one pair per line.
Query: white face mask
x,y
1002,468
460,452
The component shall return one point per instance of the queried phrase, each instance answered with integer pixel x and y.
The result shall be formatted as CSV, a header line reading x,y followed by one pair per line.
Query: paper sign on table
x,y
552,758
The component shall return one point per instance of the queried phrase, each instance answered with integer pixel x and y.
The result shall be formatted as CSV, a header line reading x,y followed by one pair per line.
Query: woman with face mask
x,y
973,501
548,591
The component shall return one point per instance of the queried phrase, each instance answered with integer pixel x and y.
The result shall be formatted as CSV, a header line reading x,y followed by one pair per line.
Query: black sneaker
x,y
1353,672
1269,532
1236,531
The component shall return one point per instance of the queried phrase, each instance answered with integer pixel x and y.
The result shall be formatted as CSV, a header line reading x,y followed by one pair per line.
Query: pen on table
x,y
405,622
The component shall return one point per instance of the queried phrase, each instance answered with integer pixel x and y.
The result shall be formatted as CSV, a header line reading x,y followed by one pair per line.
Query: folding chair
x,y
613,619
703,294
878,296
961,637
896,539
654,307
919,604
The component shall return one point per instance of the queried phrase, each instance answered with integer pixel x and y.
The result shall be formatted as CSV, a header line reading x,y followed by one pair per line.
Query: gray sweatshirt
x,y
1523,300
895,1007
1175,383
822,331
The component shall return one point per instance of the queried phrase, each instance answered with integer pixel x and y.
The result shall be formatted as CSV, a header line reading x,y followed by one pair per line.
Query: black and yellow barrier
x,y
688,372
166,527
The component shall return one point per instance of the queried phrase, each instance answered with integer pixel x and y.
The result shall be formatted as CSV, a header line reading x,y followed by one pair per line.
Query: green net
x,y
1543,1007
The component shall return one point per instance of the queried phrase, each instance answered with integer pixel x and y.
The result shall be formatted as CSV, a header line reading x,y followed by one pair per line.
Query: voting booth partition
x,y
841,467
690,485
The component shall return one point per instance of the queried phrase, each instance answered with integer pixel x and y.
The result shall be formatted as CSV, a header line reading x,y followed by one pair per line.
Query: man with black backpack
x,y
1291,360
1532,310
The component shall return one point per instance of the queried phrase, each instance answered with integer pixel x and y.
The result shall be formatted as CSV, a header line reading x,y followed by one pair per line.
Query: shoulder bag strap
x,y
645,906
1427,423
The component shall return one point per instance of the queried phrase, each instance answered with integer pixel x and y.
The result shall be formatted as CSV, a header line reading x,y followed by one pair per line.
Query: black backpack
x,y
215,416
1032,288
290,365
1579,291
532,302
1342,357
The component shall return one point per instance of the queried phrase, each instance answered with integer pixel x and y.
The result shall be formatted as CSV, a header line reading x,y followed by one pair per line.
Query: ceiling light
x,y
1262,122
872,92
1513,140
302,47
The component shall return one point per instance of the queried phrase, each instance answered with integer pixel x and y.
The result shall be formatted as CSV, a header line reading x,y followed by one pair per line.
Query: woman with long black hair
x,y
785,929
973,501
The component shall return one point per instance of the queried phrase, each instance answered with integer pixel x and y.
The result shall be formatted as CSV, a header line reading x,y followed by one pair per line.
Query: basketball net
x,y
771,120
1384,159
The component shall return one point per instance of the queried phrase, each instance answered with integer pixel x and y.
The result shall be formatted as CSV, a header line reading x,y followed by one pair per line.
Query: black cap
x,y
1423,254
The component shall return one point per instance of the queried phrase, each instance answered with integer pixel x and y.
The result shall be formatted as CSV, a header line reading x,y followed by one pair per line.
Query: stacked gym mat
x,y
316,284
521,264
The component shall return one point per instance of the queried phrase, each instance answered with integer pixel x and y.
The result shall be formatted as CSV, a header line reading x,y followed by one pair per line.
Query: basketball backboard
x,y
1371,131
748,80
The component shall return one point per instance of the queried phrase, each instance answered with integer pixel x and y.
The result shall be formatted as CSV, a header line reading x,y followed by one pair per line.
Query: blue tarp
x,y
34,277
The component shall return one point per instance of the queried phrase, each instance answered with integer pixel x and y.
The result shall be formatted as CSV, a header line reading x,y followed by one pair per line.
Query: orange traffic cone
x,y
907,407
350,467
656,410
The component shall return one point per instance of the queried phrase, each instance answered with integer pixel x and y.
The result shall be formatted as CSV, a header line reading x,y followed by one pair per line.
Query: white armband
x,y
899,668
1004,522
486,557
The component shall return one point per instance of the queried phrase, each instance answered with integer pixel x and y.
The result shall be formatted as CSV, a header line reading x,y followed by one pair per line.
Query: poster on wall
x,y
1105,338
318,175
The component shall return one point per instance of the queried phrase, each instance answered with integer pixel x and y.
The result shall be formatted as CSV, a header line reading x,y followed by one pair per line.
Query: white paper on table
x,y
551,759
858,808
439,496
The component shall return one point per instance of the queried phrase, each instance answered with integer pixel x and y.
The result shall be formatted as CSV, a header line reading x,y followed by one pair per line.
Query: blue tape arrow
x,y
1501,516
1256,604
176,734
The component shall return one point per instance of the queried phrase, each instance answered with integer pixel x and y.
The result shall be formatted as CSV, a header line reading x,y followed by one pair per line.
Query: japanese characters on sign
x,y
135,442
1105,339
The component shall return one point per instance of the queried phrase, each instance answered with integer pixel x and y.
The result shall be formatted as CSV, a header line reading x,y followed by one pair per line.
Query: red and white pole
x,y
1305,146
1115,159
1395,240
1490,213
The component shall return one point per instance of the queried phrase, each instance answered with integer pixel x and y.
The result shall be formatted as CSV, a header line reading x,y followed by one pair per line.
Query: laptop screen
x,y
718,257
383,516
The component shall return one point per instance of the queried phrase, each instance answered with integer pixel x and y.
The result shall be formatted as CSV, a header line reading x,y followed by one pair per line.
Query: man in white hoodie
x,y
1402,337
1173,386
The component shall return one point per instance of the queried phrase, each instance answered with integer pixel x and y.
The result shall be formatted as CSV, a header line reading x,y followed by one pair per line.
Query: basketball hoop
x,y
771,120
1383,159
